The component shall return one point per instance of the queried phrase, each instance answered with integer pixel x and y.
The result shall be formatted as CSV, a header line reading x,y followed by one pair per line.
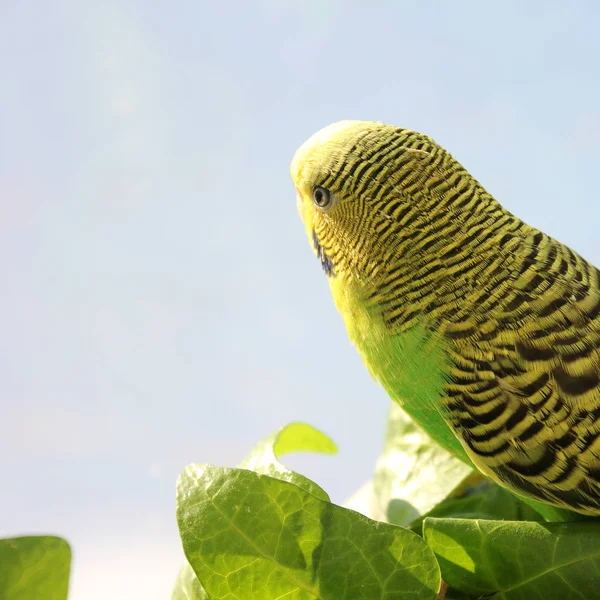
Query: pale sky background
x,y
160,303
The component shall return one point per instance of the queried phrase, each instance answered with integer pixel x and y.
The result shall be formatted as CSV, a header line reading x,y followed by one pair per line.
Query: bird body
x,y
484,329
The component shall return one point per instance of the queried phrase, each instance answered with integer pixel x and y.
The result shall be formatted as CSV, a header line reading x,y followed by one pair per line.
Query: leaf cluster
x,y
426,527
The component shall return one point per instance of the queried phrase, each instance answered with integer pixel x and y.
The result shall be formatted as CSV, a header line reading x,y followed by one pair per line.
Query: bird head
x,y
360,192
371,195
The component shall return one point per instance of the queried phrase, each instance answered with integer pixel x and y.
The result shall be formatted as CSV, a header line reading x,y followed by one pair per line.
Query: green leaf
x,y
554,513
413,473
517,560
253,537
295,437
34,567
487,501
187,586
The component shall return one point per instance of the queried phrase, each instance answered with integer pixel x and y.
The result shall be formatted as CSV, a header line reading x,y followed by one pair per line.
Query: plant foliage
x,y
263,532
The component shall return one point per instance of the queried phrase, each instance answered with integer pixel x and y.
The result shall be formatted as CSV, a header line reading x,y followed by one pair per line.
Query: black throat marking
x,y
326,262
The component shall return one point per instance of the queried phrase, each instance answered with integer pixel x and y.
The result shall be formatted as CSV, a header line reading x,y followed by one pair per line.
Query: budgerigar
x,y
483,328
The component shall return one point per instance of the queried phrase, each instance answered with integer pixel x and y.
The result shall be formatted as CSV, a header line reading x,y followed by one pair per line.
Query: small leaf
x,y
553,513
187,586
301,437
487,501
295,437
253,537
34,567
413,474
517,560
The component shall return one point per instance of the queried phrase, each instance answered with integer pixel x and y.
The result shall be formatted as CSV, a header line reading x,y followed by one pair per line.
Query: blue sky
x,y
160,303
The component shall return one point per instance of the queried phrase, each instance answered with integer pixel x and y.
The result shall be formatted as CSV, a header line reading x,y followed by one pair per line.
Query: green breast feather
x,y
410,366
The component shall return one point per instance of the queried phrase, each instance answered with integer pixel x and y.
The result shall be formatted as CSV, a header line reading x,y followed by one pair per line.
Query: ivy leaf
x,y
252,537
295,437
517,560
34,567
412,475
484,501
187,585
553,513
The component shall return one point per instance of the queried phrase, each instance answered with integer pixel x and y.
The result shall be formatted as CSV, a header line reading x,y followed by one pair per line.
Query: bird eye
x,y
322,197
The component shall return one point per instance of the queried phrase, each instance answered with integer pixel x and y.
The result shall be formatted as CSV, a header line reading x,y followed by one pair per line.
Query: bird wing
x,y
524,389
